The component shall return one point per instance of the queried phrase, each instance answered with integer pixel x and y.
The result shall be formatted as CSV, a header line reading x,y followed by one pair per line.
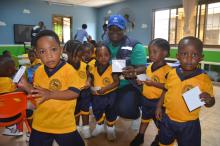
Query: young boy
x,y
7,70
56,90
178,122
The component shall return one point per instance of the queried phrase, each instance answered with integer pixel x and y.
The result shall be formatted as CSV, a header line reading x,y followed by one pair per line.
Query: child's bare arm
x,y
209,101
158,112
155,84
23,84
110,86
46,94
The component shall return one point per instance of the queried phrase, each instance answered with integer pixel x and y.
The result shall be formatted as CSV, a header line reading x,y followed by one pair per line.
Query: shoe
x,y
12,131
111,134
138,140
156,141
28,136
86,131
98,130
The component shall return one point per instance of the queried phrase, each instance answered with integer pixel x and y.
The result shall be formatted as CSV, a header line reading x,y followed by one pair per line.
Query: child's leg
x,y
85,103
98,106
69,139
189,133
40,138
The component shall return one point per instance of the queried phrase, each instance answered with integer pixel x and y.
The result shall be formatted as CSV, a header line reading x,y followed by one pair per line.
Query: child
x,y
87,55
177,122
7,70
105,84
74,51
56,92
35,63
80,34
153,87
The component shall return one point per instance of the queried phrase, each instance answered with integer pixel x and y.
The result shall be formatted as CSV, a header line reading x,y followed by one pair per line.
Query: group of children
x,y
64,91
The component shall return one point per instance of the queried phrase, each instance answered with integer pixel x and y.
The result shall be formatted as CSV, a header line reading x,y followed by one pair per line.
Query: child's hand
x,y
44,94
139,82
22,83
129,72
149,82
101,91
209,101
158,113
87,85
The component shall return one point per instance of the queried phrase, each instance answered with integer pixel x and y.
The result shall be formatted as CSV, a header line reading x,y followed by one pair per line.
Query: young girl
x,y
104,86
56,94
153,87
75,51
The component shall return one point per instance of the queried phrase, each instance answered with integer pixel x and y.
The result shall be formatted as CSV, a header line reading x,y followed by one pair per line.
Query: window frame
x,y
197,27
71,25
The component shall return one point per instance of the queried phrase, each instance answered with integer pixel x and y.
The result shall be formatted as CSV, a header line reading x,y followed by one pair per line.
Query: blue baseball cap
x,y
117,20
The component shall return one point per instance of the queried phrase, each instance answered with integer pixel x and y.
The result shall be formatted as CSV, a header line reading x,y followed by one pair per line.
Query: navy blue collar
x,y
156,68
182,77
50,73
101,69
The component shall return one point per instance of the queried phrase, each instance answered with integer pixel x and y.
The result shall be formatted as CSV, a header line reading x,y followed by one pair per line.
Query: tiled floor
x,y
210,119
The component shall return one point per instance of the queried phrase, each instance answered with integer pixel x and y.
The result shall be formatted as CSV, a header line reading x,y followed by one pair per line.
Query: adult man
x,y
124,47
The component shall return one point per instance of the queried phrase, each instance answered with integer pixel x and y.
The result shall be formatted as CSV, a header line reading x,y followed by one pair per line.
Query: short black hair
x,y
162,44
99,46
105,25
88,45
5,64
191,40
44,33
84,26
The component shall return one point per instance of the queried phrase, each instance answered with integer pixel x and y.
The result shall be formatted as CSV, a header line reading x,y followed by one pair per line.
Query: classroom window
x,y
62,26
169,24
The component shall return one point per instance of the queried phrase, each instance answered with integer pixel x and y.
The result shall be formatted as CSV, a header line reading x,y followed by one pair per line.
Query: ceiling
x,y
87,3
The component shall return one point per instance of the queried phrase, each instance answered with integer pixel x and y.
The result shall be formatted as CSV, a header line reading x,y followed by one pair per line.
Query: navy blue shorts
x,y
83,101
46,139
104,104
186,133
148,107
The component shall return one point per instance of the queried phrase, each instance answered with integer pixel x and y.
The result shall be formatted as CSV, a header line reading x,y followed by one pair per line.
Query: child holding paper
x,y
104,98
178,122
153,86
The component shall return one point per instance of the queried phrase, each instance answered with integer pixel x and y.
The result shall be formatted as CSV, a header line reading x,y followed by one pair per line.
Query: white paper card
x,y
142,77
126,48
19,74
117,65
192,99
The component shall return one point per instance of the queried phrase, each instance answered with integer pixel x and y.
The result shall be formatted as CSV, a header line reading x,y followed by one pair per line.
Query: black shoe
x,y
138,140
156,141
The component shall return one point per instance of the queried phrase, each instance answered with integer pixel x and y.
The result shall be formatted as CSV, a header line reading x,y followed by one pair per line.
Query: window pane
x,y
66,29
57,26
161,24
172,26
180,24
212,30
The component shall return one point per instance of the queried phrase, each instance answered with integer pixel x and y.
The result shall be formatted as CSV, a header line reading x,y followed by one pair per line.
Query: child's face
x,y
189,57
103,56
156,54
31,57
86,55
49,51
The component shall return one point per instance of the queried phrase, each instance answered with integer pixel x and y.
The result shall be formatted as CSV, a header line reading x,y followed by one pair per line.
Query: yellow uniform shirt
x,y
6,85
36,61
157,75
176,85
82,73
56,116
102,79
91,64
